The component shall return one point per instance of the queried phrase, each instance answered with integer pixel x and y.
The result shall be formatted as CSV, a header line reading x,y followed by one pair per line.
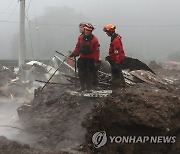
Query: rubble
x,y
142,109
154,65
22,80
171,65
61,120
58,115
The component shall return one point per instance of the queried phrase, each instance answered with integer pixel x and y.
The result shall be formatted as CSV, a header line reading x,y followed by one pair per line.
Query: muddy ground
x,y
63,122
142,110
14,147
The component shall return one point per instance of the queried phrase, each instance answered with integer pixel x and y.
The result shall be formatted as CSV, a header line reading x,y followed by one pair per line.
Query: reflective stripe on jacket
x,y
116,51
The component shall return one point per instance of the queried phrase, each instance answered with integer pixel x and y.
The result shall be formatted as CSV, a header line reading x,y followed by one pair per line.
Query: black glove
x,y
114,65
72,55
97,63
107,58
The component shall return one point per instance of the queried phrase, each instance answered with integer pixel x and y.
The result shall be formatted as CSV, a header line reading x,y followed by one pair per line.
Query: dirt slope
x,y
13,147
142,110
58,117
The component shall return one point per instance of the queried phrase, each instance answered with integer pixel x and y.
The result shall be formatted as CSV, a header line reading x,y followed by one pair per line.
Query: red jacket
x,y
94,47
116,51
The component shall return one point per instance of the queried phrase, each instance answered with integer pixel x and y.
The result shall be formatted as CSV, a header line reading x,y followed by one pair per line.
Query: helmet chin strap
x,y
87,34
111,33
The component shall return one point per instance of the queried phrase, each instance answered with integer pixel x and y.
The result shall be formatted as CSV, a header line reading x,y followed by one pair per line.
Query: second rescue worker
x,y
116,56
88,49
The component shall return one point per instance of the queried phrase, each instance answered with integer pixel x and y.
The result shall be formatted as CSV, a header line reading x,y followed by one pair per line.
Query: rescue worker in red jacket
x,y
81,27
81,30
87,48
70,60
116,56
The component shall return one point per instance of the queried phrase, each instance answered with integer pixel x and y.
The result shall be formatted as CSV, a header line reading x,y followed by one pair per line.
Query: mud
x,y
56,117
65,123
141,110
13,147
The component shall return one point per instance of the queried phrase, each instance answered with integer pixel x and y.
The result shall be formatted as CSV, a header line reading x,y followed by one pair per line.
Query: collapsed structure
x,y
148,106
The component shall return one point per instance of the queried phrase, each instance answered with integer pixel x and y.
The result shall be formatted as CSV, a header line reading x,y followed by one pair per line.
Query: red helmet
x,y
82,24
89,27
109,27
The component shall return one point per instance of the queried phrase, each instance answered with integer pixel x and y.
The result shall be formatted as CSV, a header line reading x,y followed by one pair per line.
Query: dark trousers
x,y
117,75
116,70
95,77
85,72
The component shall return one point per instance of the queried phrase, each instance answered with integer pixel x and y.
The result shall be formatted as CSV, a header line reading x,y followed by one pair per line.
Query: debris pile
x,y
171,65
57,116
12,147
10,84
150,105
22,81
141,110
154,65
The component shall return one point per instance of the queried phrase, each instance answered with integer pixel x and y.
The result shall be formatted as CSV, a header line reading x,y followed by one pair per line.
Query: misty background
x,y
150,29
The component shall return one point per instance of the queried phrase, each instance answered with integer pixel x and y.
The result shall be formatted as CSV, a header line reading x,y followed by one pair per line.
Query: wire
x,y
134,26
13,10
32,50
150,26
47,24
9,21
35,14
28,6
7,7
31,40
37,28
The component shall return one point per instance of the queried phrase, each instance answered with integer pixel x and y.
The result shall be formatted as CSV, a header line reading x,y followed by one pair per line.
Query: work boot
x,y
82,88
95,81
122,81
88,81
122,84
82,81
96,87
88,88
118,83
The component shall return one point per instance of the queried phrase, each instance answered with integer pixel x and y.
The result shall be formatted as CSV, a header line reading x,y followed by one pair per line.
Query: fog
x,y
9,122
8,117
150,29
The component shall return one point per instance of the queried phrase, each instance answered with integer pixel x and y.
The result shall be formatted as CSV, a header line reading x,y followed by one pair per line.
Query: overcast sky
x,y
148,25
